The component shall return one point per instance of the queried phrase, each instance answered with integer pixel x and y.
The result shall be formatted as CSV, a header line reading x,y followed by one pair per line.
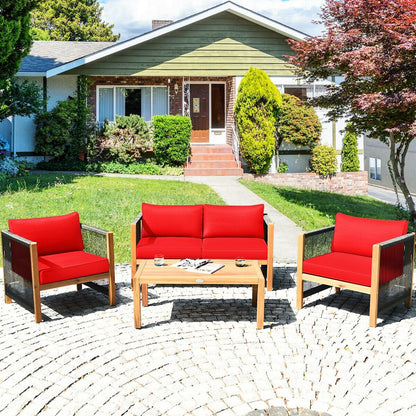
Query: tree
x,y
256,111
71,20
372,45
297,123
349,153
15,98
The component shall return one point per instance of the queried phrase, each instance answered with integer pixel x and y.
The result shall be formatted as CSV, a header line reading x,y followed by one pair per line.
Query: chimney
x,y
156,24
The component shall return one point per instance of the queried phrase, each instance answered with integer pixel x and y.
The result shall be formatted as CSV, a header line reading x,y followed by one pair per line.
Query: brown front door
x,y
200,113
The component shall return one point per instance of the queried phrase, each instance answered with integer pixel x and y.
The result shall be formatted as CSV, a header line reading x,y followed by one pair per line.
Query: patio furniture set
x,y
365,255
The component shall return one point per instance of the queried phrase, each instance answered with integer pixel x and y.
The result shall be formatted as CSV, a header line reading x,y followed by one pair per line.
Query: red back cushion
x,y
233,221
358,235
57,234
172,220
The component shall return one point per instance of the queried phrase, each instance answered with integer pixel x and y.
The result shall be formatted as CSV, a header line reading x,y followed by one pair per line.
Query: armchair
x,y
51,252
360,254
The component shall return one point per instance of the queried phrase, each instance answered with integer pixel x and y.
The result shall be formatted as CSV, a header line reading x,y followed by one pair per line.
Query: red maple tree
x,y
371,45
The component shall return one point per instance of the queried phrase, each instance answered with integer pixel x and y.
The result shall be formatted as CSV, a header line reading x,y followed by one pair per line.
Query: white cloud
x,y
132,17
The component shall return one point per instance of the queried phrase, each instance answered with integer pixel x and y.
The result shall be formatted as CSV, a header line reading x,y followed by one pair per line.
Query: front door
x,y
200,113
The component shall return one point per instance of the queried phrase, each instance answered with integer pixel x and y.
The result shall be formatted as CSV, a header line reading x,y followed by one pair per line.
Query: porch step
x,y
212,160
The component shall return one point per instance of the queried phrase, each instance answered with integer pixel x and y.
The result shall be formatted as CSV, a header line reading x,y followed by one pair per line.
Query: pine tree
x,y
256,108
349,153
71,20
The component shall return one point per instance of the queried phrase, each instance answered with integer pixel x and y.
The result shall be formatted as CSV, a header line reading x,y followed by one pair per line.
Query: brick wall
x,y
347,183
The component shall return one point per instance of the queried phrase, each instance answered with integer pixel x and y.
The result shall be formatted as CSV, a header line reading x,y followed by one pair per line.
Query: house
x,y
377,156
189,67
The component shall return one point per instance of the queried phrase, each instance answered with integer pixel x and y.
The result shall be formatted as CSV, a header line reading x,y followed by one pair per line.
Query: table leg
x,y
260,304
136,301
145,301
254,295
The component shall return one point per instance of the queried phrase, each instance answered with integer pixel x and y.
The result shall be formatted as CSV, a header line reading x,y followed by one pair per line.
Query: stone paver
x,y
199,353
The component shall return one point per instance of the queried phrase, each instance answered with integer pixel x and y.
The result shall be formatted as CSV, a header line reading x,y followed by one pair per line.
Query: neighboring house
x,y
190,67
377,155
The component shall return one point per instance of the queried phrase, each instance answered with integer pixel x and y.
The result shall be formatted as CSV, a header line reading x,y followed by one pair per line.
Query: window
x,y
299,92
218,106
374,167
123,101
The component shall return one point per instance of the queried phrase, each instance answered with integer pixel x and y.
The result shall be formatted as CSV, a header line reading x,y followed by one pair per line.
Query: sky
x,y
134,17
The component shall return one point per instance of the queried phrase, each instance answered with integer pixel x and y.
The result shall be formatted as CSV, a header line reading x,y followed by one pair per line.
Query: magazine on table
x,y
198,265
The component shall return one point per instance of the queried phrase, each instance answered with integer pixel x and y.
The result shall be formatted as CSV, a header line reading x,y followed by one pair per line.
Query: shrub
x,y
324,160
125,140
138,168
283,167
8,166
256,109
171,139
349,153
65,130
298,123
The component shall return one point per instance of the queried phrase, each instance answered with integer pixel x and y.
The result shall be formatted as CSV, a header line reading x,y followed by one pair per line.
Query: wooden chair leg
x,y
270,276
79,286
337,289
299,293
373,309
37,305
112,288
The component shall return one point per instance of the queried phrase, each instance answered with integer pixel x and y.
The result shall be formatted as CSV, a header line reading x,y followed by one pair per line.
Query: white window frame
x,y
375,164
113,87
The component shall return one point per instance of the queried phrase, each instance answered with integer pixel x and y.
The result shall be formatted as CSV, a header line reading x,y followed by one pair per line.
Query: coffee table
x,y
230,274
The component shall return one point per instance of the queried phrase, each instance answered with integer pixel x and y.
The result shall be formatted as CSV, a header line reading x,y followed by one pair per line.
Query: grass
x,y
314,209
104,202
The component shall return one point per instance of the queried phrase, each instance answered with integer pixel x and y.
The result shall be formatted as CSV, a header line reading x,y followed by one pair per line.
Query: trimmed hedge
x,y
324,160
172,139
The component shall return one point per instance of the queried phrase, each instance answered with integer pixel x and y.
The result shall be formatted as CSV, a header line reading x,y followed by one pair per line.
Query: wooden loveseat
x,y
365,255
51,252
203,231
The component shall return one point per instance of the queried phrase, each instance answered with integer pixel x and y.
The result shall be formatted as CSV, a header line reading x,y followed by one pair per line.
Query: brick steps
x,y
212,160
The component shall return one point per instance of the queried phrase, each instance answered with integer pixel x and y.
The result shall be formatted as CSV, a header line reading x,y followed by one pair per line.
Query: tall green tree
x,y
349,153
15,98
71,20
372,44
256,111
298,123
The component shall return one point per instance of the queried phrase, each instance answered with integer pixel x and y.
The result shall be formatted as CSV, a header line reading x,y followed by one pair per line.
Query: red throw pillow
x,y
357,235
172,220
56,234
233,221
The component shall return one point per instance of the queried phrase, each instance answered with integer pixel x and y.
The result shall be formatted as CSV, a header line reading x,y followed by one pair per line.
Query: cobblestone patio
x,y
199,353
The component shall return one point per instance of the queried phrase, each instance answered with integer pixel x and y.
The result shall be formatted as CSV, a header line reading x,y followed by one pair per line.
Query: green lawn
x,y
105,202
313,209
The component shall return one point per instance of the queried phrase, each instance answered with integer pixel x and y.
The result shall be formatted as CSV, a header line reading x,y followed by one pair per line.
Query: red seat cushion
x,y
358,235
56,234
170,247
172,220
234,247
70,265
340,266
233,221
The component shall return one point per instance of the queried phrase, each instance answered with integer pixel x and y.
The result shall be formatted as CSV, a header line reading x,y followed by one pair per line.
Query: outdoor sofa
x,y
203,231
360,254
50,252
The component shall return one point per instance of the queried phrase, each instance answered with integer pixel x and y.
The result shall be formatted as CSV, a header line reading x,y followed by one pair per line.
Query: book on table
x,y
198,265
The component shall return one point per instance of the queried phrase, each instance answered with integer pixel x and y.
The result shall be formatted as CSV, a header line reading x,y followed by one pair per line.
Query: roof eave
x,y
30,74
